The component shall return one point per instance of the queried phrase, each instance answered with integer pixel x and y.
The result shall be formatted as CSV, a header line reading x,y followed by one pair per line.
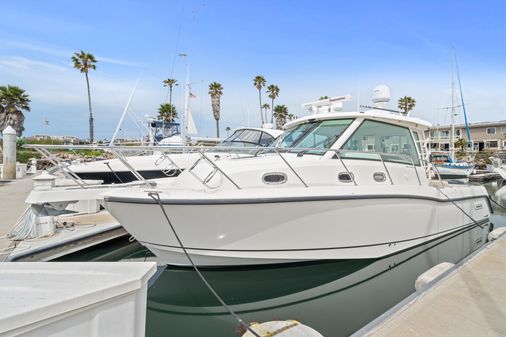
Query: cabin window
x,y
324,135
315,135
293,135
266,139
504,131
393,142
490,131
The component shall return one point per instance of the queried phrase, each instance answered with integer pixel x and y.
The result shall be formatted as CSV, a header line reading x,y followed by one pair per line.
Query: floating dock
x,y
80,232
484,177
468,300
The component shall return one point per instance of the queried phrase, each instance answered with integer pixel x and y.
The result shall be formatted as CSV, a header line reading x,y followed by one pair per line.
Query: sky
x,y
307,48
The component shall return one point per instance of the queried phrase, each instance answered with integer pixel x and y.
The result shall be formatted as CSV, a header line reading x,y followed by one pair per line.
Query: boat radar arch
x,y
332,104
380,96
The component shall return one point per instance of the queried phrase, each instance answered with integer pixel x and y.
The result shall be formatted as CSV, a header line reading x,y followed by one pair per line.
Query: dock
x,y
13,194
81,231
468,300
484,177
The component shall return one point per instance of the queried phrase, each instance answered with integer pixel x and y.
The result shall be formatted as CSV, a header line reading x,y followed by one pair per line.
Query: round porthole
x,y
379,177
274,178
345,177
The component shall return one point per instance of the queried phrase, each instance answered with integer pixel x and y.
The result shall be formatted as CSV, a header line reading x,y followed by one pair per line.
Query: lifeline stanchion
x,y
156,197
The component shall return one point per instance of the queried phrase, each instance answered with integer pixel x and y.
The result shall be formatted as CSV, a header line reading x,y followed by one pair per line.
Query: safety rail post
x,y
55,161
127,164
346,168
414,167
172,162
290,166
219,169
386,169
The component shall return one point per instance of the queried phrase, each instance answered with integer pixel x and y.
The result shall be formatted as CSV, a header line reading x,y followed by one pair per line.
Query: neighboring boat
x,y
338,185
499,164
158,165
445,166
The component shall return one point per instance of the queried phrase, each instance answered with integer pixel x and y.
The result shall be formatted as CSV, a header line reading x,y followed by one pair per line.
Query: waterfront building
x,y
490,136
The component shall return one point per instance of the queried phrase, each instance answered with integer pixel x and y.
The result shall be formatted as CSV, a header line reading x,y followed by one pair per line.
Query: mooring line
x,y
495,202
455,204
156,197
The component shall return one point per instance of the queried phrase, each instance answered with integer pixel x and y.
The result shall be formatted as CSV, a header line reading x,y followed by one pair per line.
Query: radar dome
x,y
380,95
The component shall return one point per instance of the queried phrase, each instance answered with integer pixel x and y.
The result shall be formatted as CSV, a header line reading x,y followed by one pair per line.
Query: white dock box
x,y
74,299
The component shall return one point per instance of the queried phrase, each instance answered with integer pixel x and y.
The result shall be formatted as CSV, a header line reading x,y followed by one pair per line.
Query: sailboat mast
x,y
452,131
186,101
469,141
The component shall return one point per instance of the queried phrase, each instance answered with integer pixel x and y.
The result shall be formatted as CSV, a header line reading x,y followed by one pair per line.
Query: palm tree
x,y
281,114
228,131
406,104
290,117
259,82
266,107
167,112
215,91
171,83
13,100
323,97
273,91
84,62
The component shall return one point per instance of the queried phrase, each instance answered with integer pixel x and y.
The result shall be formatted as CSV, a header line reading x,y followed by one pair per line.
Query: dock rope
x,y
455,204
497,204
156,197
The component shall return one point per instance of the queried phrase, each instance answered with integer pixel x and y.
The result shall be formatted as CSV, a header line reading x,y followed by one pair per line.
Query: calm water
x,y
335,298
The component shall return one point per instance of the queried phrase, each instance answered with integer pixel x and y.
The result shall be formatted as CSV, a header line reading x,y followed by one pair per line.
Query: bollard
x,y
9,153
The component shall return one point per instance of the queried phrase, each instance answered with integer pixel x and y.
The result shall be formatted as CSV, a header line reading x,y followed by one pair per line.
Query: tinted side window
x,y
392,140
266,139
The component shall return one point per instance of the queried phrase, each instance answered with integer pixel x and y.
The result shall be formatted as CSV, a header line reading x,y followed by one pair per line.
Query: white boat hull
x,y
274,231
448,172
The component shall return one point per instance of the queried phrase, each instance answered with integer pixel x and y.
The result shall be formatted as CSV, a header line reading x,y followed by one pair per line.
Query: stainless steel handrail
x,y
166,151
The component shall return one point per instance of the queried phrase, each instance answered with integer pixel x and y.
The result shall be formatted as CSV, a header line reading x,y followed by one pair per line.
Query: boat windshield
x,y
315,135
248,138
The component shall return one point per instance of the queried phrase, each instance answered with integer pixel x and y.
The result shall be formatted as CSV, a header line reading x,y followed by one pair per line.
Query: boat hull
x,y
281,231
454,172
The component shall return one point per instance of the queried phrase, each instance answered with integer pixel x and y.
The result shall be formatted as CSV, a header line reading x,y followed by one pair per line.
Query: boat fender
x,y
496,233
289,328
430,275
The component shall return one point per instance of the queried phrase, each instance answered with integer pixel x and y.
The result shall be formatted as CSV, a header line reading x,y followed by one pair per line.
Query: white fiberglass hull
x,y
333,226
451,172
501,171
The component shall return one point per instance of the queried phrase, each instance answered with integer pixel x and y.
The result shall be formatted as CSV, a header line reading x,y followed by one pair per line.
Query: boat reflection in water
x,y
336,298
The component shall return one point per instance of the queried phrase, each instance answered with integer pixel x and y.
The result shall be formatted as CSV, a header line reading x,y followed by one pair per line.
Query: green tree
x,y
259,82
167,112
84,62
281,114
406,104
323,97
273,91
13,101
228,131
171,83
215,91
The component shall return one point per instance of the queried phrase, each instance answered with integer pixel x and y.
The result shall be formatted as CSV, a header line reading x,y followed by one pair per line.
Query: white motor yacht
x,y
338,185
158,165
